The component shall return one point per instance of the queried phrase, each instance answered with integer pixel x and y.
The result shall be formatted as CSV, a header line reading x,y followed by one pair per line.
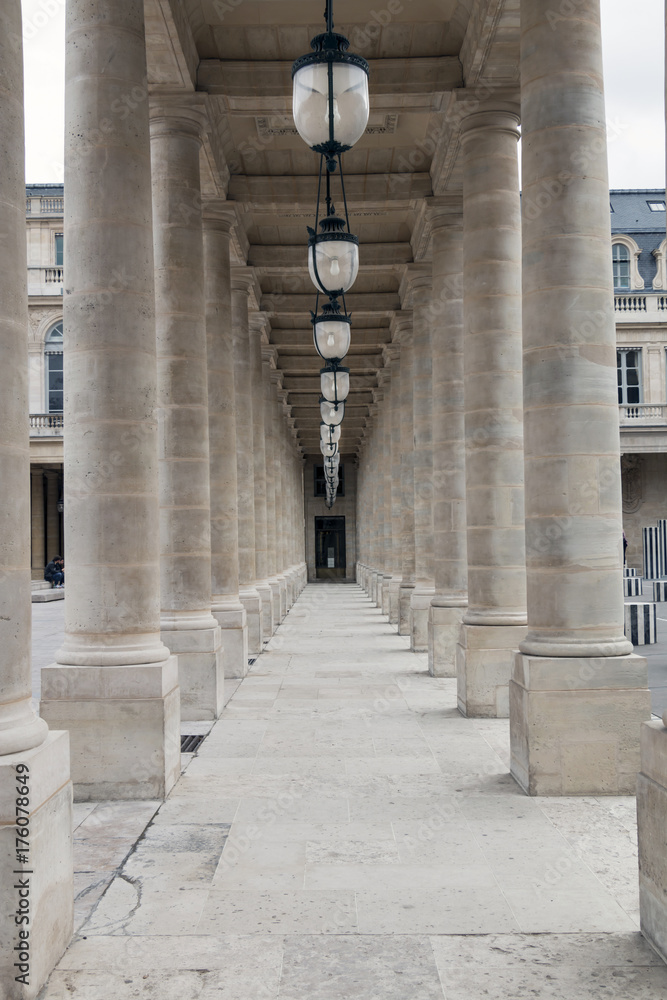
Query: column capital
x,y
219,215
269,355
401,326
179,114
391,353
445,211
260,324
244,280
494,116
416,279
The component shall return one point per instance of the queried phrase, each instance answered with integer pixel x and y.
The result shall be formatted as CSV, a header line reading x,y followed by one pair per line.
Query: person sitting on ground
x,y
54,572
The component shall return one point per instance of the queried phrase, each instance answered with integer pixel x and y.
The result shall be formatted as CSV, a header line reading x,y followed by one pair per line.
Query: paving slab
x,y
343,833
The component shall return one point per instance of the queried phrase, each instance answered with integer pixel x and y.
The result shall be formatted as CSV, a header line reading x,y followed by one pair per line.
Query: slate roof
x,y
45,190
632,216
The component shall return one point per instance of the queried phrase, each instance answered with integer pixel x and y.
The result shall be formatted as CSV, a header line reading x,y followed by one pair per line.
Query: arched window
x,y
621,265
53,356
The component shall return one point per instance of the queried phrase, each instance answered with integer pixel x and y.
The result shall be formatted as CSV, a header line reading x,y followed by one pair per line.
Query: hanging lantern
x,y
328,450
331,413
330,99
333,255
331,332
335,383
328,434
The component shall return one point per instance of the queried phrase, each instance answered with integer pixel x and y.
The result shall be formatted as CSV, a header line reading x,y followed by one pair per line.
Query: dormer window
x,y
621,264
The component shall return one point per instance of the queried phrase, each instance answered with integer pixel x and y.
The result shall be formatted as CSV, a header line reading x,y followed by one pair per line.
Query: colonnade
x,y
184,484
507,335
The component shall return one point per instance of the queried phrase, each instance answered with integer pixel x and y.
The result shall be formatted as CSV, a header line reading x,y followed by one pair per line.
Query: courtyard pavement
x,y
343,833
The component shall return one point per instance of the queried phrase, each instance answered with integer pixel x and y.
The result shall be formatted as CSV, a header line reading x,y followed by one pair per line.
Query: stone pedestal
x,y
652,835
124,727
404,596
252,604
234,632
484,659
574,723
201,675
444,625
394,595
46,877
420,603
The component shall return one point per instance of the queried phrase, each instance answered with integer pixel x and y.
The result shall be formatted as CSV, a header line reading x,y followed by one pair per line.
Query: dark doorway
x,y
329,547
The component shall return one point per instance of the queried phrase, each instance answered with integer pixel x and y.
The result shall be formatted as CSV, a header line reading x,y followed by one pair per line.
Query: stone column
x,y
384,377
281,512
268,358
393,356
34,763
449,488
37,526
403,332
419,282
242,282
225,604
188,627
115,684
651,824
578,694
52,526
262,585
494,623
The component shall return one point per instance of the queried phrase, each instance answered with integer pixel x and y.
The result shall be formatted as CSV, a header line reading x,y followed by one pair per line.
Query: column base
x,y
274,584
444,626
386,580
394,587
484,661
420,606
124,726
266,597
575,723
234,627
201,671
283,595
404,595
651,826
252,603
50,893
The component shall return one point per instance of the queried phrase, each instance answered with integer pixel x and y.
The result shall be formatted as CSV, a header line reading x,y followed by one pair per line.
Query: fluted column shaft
x,y
576,685
494,621
449,488
112,611
225,604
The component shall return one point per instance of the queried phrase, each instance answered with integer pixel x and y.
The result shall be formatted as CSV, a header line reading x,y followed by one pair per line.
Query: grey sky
x,y
633,36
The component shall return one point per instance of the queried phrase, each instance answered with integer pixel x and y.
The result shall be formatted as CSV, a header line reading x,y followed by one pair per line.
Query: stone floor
x,y
344,834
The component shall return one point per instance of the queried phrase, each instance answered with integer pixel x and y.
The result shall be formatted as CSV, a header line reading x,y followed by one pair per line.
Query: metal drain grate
x,y
251,660
191,743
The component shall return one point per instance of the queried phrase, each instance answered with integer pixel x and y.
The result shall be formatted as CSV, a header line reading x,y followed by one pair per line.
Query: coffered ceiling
x,y
424,56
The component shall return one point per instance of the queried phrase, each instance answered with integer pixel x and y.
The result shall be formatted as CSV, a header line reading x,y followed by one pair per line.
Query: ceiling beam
x,y
255,87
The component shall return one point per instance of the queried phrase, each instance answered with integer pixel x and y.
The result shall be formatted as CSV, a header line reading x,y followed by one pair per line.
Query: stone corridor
x,y
344,834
